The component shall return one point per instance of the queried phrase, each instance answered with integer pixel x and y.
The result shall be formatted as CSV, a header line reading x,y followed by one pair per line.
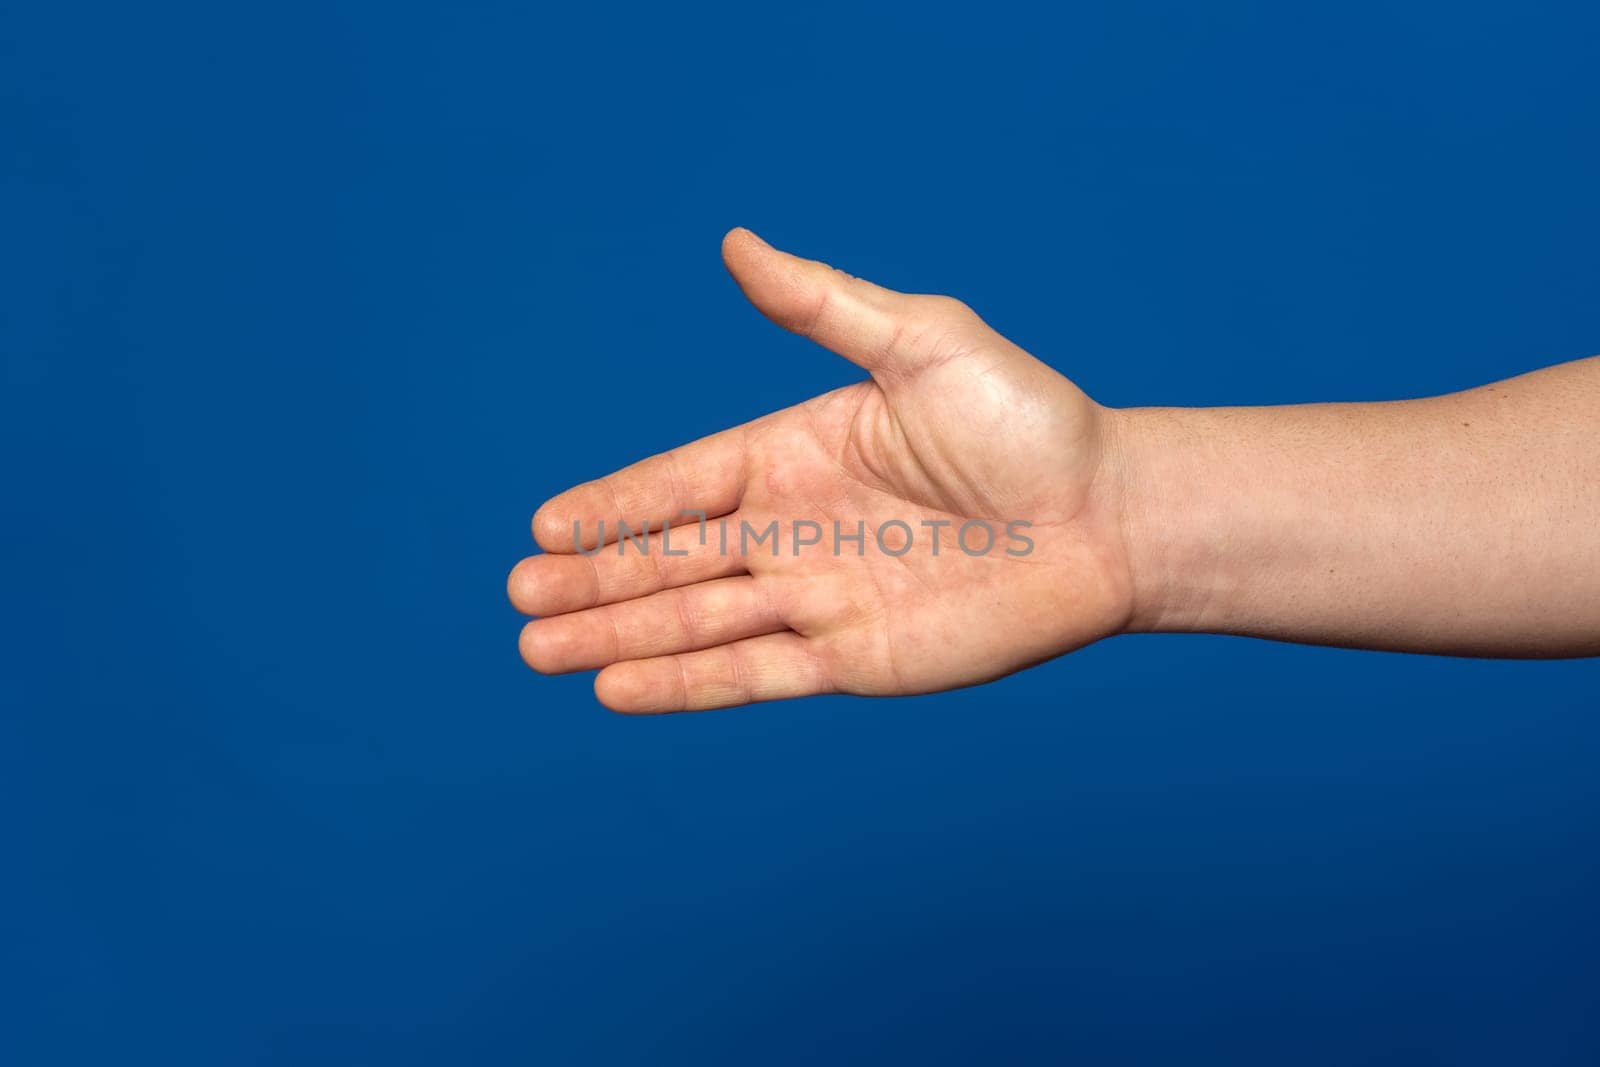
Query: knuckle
x,y
659,574
816,311
690,617
947,308
594,583
740,682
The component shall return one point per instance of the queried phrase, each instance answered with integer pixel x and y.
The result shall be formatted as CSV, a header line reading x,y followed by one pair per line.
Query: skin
x,y
1466,524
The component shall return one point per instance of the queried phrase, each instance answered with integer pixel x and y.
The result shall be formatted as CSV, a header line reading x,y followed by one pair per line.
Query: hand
x,y
956,424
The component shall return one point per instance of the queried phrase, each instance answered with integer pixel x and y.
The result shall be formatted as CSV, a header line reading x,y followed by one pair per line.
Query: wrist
x,y
1169,517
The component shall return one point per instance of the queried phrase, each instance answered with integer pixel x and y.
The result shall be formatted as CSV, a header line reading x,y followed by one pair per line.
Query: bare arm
x,y
1464,524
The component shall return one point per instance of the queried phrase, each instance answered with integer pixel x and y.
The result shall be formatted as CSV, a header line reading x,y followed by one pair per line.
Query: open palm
x,y
948,521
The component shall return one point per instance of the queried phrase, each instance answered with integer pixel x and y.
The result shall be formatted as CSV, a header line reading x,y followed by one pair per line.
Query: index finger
x,y
704,476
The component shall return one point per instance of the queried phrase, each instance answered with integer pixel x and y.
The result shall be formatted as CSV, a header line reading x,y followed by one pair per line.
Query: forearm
x,y
1465,524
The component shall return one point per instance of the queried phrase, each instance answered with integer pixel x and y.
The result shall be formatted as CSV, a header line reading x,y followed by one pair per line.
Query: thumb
x,y
864,323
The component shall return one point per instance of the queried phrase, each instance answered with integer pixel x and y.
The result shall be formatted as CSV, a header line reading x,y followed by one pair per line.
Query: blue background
x,y
306,308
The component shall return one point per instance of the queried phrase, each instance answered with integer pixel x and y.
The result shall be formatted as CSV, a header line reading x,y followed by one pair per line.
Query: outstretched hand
x,y
980,481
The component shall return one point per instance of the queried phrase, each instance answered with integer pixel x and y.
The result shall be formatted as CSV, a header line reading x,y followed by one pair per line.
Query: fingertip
x,y
850,316
540,586
528,647
621,688
519,587
781,285
551,646
740,246
548,528
742,235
